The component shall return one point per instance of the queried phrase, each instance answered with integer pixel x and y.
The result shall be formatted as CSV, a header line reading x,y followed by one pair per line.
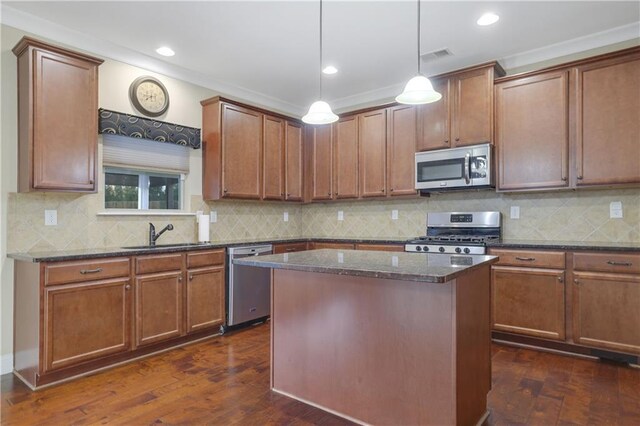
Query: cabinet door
x,y
205,298
606,311
528,301
401,149
433,120
294,157
289,247
472,112
345,177
532,132
373,153
65,125
241,152
158,310
321,162
608,122
272,165
85,321
380,247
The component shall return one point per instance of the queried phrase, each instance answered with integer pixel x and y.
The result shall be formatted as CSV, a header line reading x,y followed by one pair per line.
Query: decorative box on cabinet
x,y
57,118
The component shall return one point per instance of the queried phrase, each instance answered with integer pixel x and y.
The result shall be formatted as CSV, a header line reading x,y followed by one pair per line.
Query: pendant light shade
x,y
320,113
419,89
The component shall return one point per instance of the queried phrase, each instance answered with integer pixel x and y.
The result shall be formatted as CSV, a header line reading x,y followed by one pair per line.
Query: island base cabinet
x,y
528,301
158,307
606,311
205,299
85,321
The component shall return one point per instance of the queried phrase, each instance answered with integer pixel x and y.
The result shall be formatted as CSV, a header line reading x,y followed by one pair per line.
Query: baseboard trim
x,y
6,364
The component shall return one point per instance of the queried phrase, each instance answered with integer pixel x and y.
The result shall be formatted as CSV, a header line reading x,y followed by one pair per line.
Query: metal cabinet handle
x,y
90,271
290,249
613,263
526,259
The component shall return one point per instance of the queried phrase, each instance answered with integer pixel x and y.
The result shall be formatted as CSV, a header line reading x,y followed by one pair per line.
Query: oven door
x,y
454,168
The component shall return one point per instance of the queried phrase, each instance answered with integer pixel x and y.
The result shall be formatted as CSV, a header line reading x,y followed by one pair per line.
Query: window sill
x,y
124,212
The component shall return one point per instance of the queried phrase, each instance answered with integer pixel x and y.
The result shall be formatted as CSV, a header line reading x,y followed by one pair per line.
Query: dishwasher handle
x,y
235,252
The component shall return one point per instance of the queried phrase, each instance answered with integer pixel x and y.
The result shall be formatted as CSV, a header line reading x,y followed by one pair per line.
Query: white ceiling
x,y
267,51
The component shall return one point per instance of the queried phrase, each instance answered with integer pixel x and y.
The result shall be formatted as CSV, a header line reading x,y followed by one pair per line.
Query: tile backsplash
x,y
578,215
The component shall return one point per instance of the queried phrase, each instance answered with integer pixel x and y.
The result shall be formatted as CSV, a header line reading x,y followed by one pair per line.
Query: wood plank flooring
x,y
225,381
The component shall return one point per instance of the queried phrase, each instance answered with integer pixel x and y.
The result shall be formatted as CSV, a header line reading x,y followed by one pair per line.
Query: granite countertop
x,y
565,245
433,268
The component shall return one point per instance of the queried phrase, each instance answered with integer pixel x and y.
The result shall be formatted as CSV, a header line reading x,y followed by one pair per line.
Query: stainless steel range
x,y
457,232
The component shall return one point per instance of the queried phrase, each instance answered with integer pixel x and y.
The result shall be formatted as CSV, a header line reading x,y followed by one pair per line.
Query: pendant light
x,y
320,111
419,89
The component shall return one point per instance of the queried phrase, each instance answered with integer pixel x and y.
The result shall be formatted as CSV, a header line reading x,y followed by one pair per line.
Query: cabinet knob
x,y
190,277
282,194
382,190
564,178
576,281
127,287
180,279
560,279
288,194
91,181
329,194
446,142
225,190
457,139
391,190
580,177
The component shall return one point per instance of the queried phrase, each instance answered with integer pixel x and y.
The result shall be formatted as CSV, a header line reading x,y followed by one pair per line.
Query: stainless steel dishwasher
x,y
248,295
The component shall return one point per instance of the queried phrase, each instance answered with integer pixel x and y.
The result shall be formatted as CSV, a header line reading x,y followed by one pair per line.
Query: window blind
x,y
133,153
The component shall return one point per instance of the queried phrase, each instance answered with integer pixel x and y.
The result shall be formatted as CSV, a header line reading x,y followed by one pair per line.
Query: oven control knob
x,y
458,249
418,248
441,249
425,248
466,250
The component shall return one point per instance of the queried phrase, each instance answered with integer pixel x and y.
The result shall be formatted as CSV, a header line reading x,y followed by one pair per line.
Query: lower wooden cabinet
x,y
528,301
338,246
85,321
380,247
289,247
158,307
205,307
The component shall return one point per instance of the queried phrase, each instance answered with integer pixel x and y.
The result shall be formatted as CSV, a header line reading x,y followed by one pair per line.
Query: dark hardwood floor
x,y
225,381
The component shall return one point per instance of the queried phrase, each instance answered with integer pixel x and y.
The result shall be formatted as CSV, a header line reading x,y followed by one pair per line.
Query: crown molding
x,y
570,47
93,45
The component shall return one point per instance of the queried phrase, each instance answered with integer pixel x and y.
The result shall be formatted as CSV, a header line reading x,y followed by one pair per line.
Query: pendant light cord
x,y
418,31
320,69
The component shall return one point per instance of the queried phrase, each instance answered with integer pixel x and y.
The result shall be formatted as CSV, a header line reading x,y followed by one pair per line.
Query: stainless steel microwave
x,y
455,168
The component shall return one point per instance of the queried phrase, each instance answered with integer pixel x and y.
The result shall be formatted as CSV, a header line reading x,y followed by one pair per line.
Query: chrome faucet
x,y
152,233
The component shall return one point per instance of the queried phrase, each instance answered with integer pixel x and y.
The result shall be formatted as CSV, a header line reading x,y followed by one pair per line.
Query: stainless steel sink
x,y
160,246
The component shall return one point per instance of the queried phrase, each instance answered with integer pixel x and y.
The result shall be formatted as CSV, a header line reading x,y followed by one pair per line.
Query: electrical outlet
x,y
199,213
213,216
340,257
615,210
51,217
394,214
340,215
394,261
286,257
286,216
515,212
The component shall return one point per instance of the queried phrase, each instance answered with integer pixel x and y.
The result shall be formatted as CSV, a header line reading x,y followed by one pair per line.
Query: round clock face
x,y
149,96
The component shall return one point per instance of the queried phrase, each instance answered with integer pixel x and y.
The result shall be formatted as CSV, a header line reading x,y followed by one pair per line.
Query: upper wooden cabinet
x,y
345,182
401,148
321,169
464,115
373,153
607,102
57,118
249,153
532,132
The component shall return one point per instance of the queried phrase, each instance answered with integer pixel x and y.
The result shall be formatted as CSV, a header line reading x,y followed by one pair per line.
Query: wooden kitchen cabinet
x,y
464,115
345,172
85,321
321,152
380,247
289,247
205,307
57,118
401,148
607,111
532,132
294,162
318,245
273,158
372,165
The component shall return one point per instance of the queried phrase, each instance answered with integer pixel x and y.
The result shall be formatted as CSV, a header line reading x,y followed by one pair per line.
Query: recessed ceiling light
x,y
330,70
487,19
165,51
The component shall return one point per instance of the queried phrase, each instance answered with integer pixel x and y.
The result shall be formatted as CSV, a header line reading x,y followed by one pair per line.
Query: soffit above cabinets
x,y
266,52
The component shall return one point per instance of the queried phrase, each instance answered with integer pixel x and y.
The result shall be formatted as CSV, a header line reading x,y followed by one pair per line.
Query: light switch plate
x,y
615,210
285,216
515,212
340,215
213,216
51,217
394,214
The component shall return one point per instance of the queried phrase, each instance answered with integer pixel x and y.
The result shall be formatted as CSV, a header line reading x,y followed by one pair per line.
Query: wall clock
x,y
149,96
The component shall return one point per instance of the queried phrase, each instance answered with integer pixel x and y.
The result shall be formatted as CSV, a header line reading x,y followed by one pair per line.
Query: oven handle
x,y
467,178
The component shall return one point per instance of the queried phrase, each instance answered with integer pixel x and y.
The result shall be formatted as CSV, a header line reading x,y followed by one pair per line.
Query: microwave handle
x,y
467,178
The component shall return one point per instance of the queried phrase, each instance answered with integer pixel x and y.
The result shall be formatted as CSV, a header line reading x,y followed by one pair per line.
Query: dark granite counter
x,y
565,245
433,268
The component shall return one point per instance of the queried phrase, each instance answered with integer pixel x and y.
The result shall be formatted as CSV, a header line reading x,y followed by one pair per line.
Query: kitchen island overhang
x,y
382,338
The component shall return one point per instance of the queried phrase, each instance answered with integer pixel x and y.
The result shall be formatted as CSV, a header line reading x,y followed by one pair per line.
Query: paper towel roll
x,y
203,228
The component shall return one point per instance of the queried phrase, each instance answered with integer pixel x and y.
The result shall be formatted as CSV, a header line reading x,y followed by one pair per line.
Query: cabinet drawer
x,y
200,259
602,262
528,258
86,270
380,247
337,246
289,248
158,263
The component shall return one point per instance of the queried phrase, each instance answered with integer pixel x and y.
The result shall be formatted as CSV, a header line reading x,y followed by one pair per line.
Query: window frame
x,y
143,185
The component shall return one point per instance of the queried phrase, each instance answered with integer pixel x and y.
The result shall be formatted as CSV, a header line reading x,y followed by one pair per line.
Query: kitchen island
x,y
382,338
